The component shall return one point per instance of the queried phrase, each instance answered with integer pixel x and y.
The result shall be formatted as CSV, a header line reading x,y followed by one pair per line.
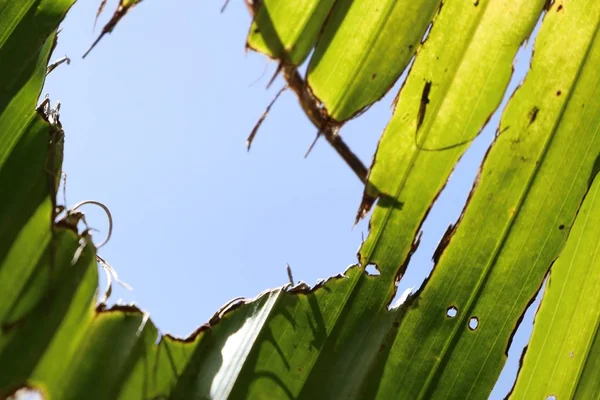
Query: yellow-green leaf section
x,y
563,356
288,30
530,188
468,60
363,49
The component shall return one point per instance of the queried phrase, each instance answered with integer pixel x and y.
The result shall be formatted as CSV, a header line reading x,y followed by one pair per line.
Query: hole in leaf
x,y
371,269
27,393
451,312
551,397
473,323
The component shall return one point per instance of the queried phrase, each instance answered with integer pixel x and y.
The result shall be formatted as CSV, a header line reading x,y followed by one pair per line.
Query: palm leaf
x,y
337,339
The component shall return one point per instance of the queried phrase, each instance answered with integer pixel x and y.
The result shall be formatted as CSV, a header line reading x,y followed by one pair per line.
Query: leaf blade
x,y
288,30
562,356
364,48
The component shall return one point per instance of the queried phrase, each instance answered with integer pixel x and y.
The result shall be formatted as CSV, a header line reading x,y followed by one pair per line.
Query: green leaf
x,y
51,325
532,183
26,214
469,70
337,340
562,359
364,48
288,30
25,39
29,147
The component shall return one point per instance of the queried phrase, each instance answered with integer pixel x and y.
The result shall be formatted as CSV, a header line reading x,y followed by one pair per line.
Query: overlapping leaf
x,y
413,161
363,48
531,185
563,356
288,30
25,27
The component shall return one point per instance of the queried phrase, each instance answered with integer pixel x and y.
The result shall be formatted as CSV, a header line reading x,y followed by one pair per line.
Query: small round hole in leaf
x,y
451,312
473,323
551,397
371,269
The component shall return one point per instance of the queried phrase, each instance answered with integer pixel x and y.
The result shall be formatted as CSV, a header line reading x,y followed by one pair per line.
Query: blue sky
x,y
156,119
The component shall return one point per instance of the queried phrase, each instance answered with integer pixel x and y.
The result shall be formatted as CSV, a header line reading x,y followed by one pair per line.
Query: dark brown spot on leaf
x,y
561,227
533,114
558,93
424,102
